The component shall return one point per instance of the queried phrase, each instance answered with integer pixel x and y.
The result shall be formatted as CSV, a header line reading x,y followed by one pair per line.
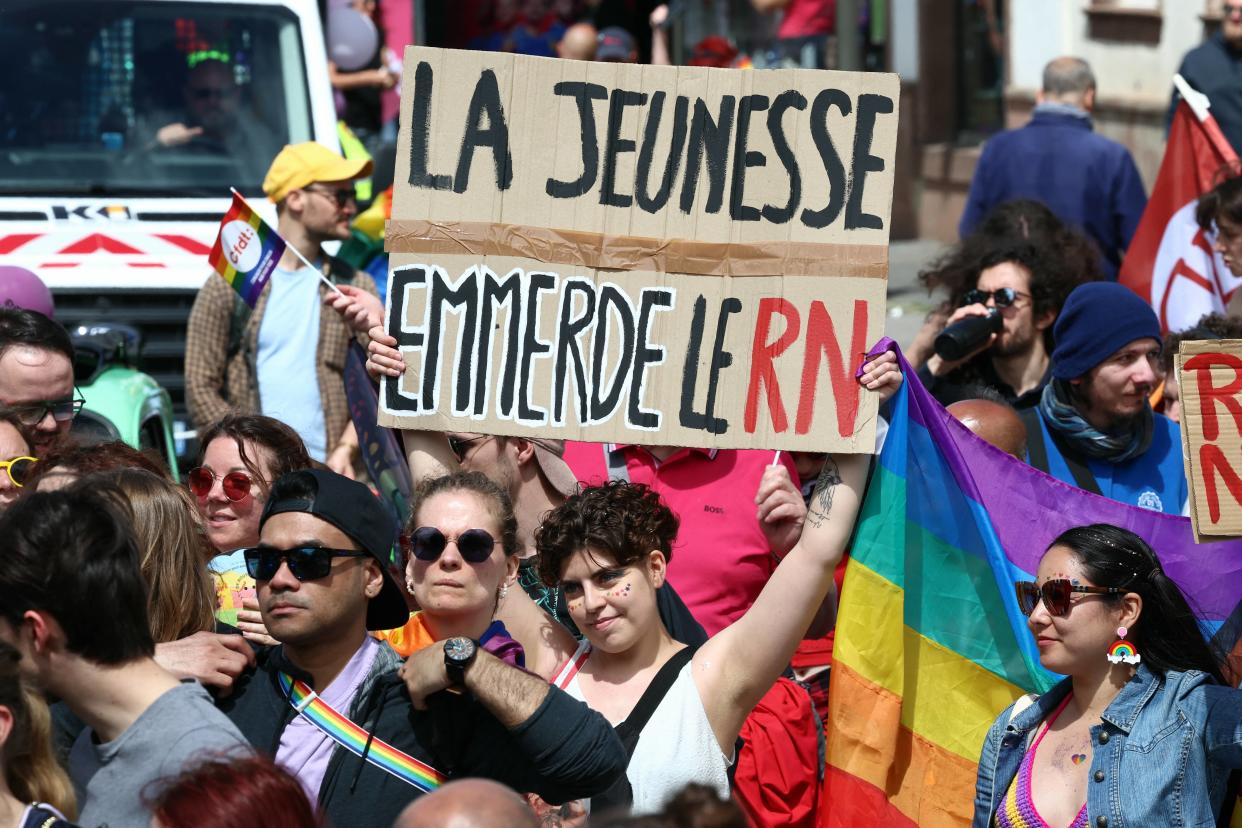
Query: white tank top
x,y
676,747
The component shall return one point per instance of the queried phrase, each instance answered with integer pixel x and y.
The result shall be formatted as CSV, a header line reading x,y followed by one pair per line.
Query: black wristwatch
x,y
458,653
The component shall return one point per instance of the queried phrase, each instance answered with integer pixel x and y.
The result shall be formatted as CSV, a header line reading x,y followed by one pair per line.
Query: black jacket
x,y
563,751
1215,69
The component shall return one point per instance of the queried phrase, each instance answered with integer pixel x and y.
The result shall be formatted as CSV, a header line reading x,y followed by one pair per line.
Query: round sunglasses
x,y
1055,594
236,485
18,469
1003,297
307,563
427,543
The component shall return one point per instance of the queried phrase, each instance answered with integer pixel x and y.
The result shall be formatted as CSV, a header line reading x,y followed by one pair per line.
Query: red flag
x,y
1170,261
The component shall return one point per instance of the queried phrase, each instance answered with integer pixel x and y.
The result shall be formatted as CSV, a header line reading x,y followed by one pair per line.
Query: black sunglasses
x,y
341,195
428,542
460,446
1003,297
307,563
1055,594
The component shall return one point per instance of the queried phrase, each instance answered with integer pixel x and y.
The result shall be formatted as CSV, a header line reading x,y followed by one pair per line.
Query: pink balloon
x,y
19,288
352,39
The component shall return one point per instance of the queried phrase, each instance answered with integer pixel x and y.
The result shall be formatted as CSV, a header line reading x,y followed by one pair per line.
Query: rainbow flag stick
x,y
247,250
295,251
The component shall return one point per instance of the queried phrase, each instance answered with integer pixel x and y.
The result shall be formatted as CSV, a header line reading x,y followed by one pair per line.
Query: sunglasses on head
x,y
1055,594
428,542
235,485
18,469
1003,297
307,563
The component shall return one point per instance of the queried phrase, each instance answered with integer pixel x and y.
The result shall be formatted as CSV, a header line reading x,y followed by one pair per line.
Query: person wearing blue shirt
x,y
1089,181
1094,427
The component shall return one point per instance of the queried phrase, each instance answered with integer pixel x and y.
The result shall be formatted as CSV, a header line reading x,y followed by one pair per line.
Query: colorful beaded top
x,y
1018,809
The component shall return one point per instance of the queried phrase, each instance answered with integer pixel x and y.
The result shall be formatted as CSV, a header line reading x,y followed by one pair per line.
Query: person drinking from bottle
x,y
1015,270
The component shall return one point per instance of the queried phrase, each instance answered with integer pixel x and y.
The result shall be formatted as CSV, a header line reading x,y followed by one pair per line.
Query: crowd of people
x,y
561,633
572,632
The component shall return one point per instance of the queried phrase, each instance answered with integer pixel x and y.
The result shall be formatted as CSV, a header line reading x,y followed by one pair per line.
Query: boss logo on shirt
x,y
715,510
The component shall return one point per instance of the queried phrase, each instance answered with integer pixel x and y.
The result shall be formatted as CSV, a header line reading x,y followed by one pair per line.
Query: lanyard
x,y
356,740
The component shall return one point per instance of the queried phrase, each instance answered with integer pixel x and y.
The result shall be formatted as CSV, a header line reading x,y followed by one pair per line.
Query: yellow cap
x,y
300,165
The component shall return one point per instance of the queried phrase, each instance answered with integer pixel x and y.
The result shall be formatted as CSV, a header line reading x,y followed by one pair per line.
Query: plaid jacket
x,y
220,362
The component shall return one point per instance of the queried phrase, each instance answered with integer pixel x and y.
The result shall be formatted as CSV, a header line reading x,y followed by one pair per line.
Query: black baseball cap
x,y
349,506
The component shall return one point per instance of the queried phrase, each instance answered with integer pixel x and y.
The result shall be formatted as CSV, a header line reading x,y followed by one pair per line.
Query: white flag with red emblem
x,y
1170,261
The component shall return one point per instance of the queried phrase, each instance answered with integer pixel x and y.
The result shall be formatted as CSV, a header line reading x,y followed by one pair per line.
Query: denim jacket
x,y
1162,753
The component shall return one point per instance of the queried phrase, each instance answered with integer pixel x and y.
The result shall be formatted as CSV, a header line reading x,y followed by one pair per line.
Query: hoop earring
x,y
1122,650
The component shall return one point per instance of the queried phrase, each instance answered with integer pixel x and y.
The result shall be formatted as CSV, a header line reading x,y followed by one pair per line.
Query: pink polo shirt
x,y
721,558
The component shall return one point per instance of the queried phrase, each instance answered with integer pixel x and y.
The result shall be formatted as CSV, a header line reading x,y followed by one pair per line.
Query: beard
x,y
1018,342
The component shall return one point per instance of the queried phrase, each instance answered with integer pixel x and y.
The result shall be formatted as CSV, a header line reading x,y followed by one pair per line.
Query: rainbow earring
x,y
1122,650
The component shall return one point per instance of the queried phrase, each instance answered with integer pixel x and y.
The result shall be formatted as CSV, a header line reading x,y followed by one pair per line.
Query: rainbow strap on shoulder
x,y
354,739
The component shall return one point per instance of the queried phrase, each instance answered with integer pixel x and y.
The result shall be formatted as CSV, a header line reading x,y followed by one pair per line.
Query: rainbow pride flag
x,y
246,250
930,643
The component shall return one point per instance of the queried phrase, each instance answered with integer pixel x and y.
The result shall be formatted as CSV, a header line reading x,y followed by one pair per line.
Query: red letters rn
x,y
821,341
1212,459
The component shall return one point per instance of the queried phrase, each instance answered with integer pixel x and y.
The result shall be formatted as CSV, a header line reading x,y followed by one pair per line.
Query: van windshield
x,y
109,97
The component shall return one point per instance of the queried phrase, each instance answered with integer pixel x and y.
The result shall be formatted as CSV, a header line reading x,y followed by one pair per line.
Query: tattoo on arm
x,y
821,497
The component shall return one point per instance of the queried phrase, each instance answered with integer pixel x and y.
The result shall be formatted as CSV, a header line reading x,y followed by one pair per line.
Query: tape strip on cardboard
x,y
601,251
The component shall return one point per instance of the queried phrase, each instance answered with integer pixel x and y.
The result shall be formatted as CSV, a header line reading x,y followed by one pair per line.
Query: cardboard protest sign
x,y
627,253
1209,375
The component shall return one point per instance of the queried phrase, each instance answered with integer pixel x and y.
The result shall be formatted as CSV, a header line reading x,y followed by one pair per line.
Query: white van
x,y
101,193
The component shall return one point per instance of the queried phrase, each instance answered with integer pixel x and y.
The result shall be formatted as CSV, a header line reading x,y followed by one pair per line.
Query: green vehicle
x,y
122,403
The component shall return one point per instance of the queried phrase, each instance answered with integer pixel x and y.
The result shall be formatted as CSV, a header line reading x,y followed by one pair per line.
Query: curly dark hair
x,y
475,483
1209,326
625,520
1026,233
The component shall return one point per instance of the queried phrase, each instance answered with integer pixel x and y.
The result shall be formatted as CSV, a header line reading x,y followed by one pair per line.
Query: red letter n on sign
x,y
821,341
1213,461
1209,394
762,373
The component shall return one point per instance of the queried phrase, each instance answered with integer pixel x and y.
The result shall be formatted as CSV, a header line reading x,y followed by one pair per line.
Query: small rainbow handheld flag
x,y
246,250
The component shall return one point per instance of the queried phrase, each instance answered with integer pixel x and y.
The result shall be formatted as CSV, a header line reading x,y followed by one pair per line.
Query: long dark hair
x,y
1167,632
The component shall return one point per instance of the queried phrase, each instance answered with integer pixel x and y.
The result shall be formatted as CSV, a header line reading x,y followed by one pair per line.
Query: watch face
x,y
459,649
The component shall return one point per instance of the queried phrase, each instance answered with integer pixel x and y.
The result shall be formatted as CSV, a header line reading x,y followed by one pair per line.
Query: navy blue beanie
x,y
1098,319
